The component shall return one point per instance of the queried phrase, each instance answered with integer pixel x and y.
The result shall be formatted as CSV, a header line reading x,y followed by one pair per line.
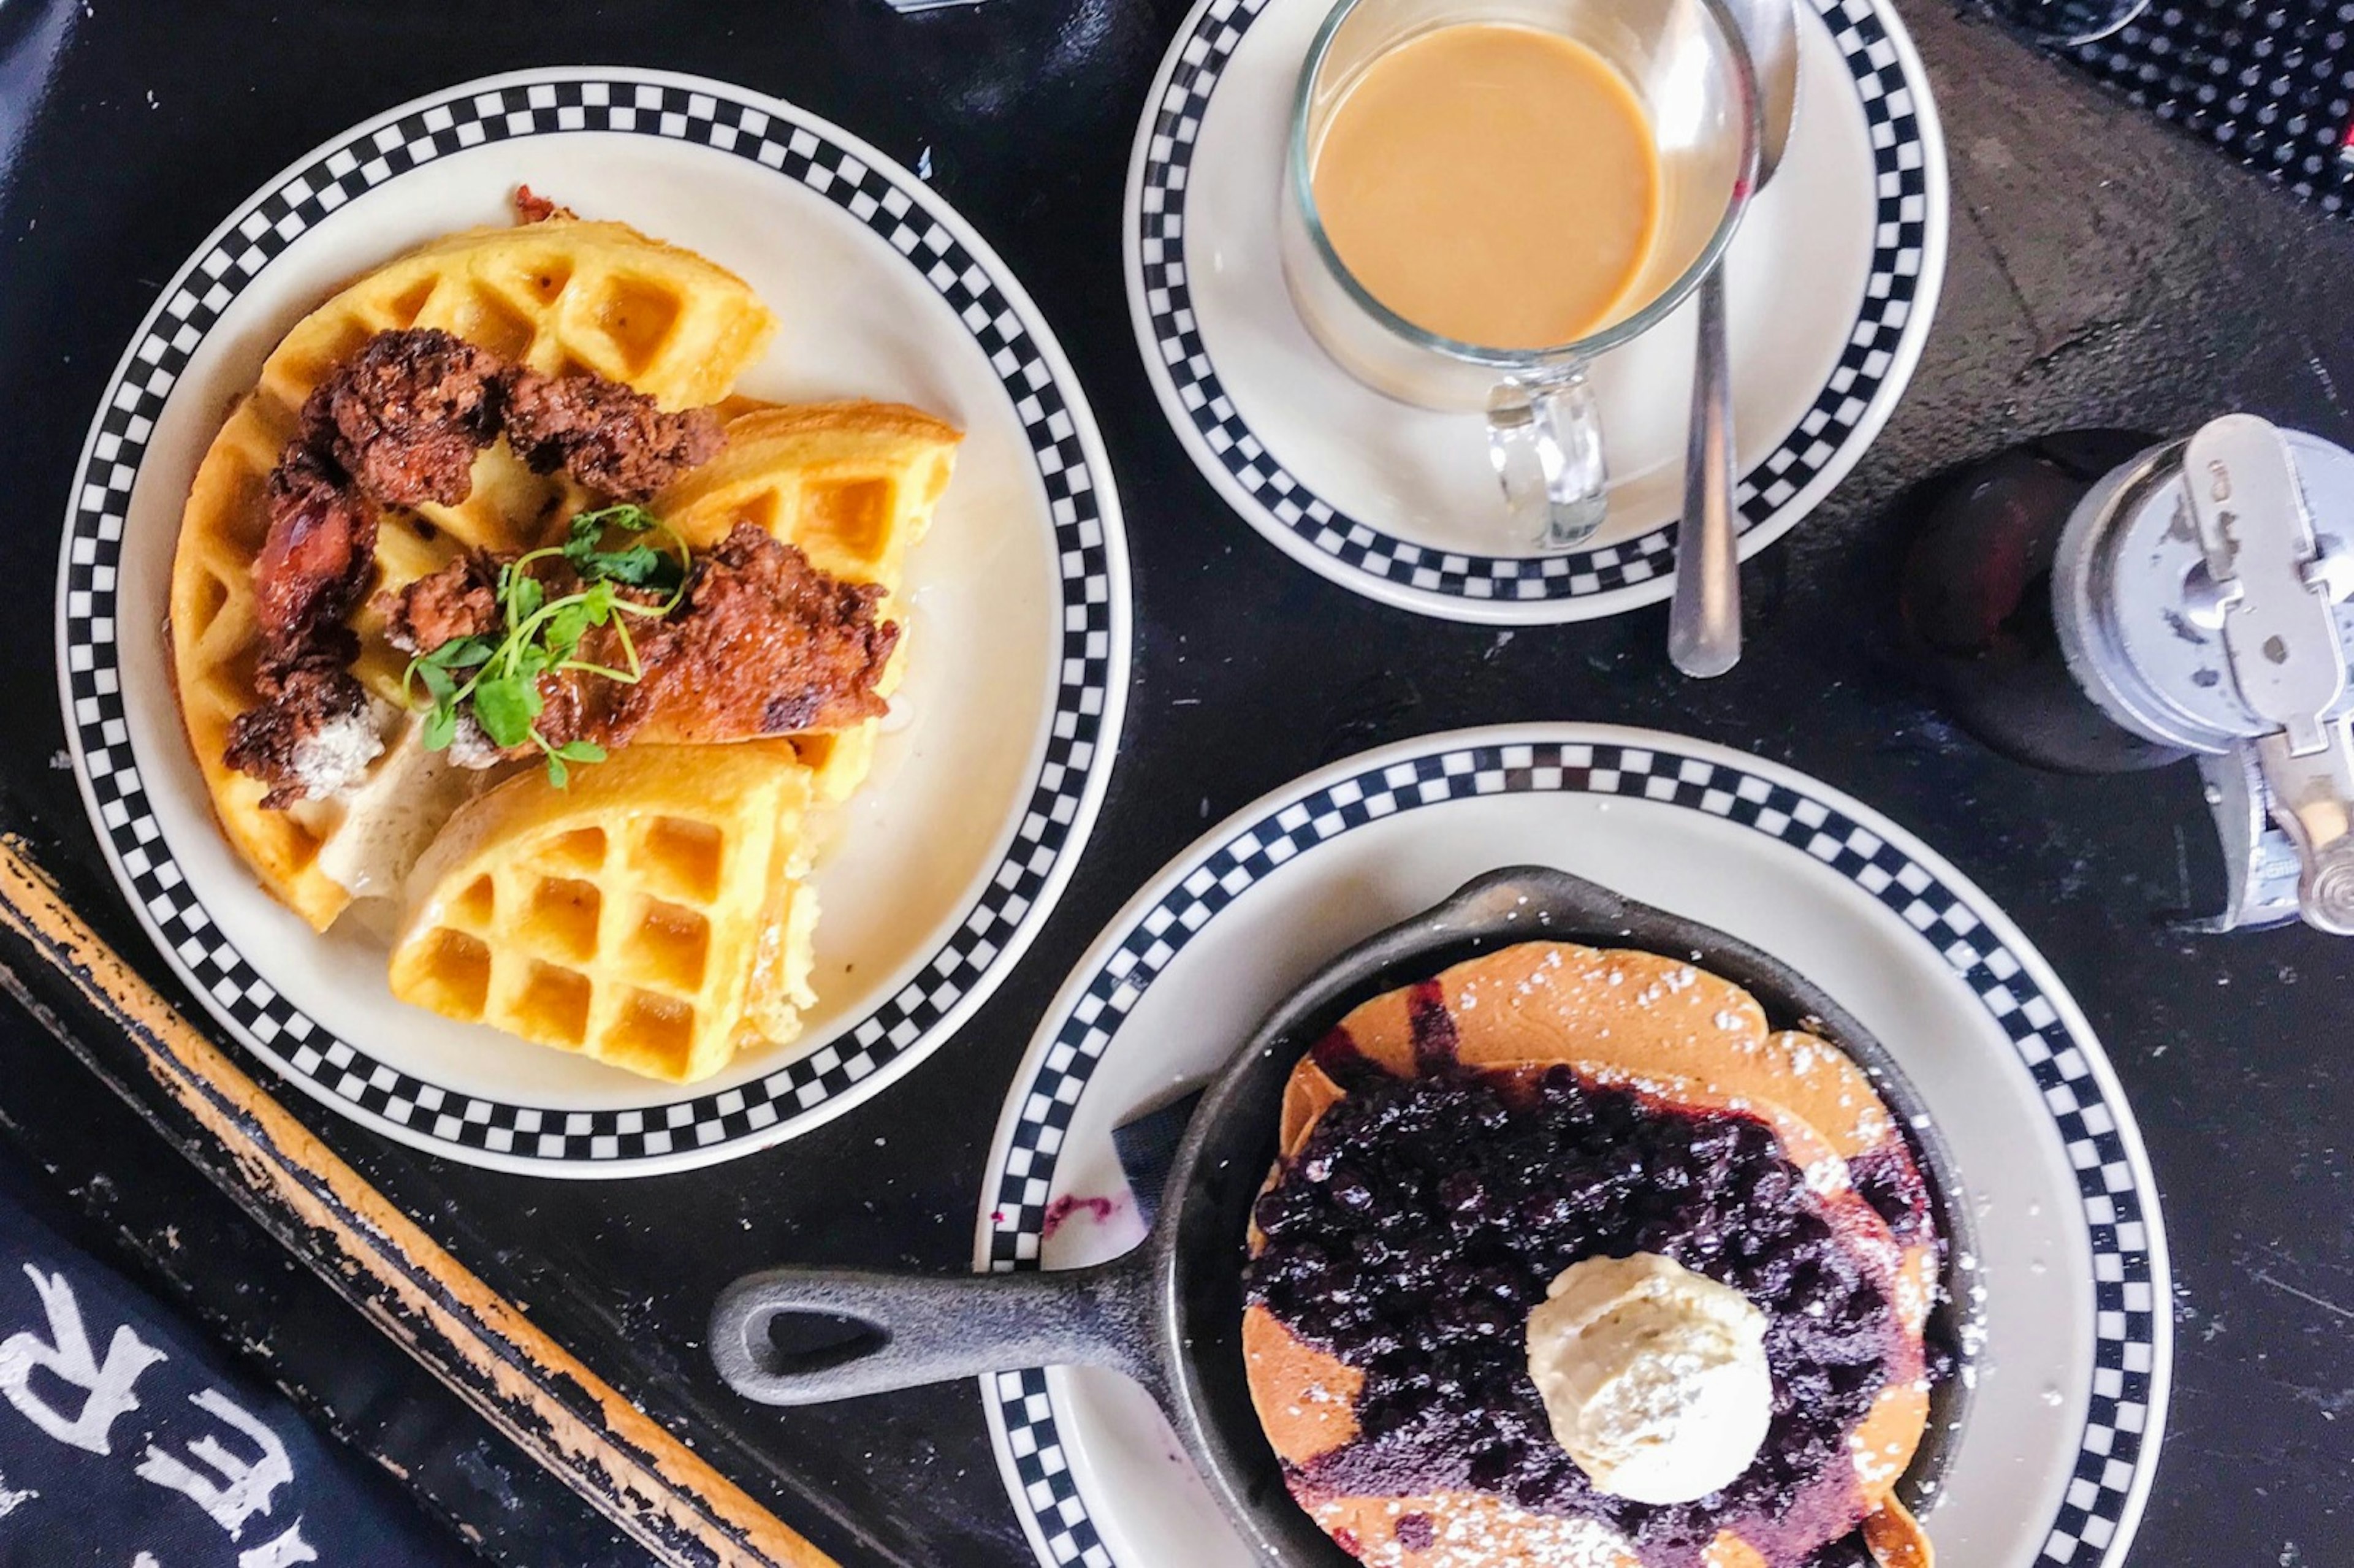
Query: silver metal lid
x,y
2204,595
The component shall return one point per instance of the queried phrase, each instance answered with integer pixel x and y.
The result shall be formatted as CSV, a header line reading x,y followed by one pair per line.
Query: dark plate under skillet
x,y
1169,1314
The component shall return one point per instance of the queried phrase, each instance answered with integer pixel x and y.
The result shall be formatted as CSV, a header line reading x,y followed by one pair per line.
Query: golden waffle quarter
x,y
650,915
854,485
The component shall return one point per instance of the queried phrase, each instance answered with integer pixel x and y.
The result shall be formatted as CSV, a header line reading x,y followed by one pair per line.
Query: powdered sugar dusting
x,y
1870,1125
1321,1397
1912,1302
1482,1533
1876,1465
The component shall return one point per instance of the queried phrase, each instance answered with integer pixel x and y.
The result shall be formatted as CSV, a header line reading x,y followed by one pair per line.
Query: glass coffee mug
x,y
1688,68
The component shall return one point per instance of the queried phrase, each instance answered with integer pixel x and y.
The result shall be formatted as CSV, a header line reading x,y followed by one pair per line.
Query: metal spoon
x,y
1704,622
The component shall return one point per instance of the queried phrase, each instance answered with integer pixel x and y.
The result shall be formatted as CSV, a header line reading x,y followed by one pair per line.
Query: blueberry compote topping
x,y
1426,1216
1887,1178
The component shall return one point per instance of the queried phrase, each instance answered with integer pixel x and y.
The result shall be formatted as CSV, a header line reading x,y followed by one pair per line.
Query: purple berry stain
x,y
1063,1208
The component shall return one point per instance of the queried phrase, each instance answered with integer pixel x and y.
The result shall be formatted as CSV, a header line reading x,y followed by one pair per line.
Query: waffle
x,y
855,485
652,916
558,295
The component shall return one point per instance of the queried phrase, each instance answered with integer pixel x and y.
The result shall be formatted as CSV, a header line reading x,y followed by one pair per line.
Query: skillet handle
x,y
925,1329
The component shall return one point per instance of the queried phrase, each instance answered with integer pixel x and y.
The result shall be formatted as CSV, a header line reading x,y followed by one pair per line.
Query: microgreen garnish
x,y
637,566
495,674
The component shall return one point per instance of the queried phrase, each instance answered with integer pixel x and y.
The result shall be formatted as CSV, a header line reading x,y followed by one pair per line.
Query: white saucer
x,y
1001,741
1831,283
2061,1434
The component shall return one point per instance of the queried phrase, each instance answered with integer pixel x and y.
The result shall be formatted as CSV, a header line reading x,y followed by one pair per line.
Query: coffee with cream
x,y
1493,183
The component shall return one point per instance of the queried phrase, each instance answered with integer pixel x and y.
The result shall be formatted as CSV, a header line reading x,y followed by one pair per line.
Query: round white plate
x,y
1003,735
1830,285
2071,1378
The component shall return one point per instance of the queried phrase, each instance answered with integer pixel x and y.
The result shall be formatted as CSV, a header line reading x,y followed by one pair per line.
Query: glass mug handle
x,y
1544,438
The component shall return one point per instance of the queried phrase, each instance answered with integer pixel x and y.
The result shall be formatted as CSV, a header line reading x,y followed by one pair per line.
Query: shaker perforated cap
x,y
2204,595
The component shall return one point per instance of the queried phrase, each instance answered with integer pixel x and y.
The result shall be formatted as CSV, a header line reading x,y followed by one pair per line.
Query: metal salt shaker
x,y
2204,598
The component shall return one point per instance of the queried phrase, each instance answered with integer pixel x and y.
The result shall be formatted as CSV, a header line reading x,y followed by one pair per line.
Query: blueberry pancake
x,y
1570,1261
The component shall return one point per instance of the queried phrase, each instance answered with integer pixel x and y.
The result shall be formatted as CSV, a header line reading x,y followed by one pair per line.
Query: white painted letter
x,y
244,1488
283,1552
107,1389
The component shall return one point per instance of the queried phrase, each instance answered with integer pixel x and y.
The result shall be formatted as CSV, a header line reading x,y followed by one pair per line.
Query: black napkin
x,y
1146,1145
128,1441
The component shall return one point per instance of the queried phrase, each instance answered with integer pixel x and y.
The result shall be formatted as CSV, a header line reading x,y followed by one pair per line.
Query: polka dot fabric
x,y
2274,84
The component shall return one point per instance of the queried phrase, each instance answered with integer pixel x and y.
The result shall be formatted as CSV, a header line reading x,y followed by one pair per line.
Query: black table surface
x,y
2104,270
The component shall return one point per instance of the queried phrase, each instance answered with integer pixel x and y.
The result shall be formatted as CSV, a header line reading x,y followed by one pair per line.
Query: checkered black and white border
x,y
2118,1194
1092,613
1833,430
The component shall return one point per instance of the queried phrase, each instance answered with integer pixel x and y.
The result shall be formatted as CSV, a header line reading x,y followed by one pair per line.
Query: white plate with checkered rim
x,y
1831,283
986,785
2072,1377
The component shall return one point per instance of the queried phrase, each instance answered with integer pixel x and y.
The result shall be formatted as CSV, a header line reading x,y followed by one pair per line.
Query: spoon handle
x,y
1704,622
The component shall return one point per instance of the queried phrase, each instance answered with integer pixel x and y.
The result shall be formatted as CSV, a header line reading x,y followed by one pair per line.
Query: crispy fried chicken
x,y
760,643
605,435
319,555
400,425
405,416
459,601
311,736
764,643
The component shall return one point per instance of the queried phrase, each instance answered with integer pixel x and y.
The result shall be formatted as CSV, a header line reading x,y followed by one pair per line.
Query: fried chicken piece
x,y
459,601
405,416
312,735
605,435
398,424
318,557
762,643
533,207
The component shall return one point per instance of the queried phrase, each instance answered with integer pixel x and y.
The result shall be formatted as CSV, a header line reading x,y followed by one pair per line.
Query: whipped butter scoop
x,y
1654,1377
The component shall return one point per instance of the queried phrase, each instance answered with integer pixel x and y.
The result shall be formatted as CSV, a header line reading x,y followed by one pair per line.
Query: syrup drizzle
x,y
1436,1041
1342,1062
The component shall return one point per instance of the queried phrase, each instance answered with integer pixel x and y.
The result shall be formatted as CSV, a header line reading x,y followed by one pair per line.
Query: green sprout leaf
x,y
505,705
529,662
524,599
495,676
567,623
637,565
589,527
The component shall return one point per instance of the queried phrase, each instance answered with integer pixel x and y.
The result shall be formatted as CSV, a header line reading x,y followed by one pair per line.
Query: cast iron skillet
x,y
1169,1314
